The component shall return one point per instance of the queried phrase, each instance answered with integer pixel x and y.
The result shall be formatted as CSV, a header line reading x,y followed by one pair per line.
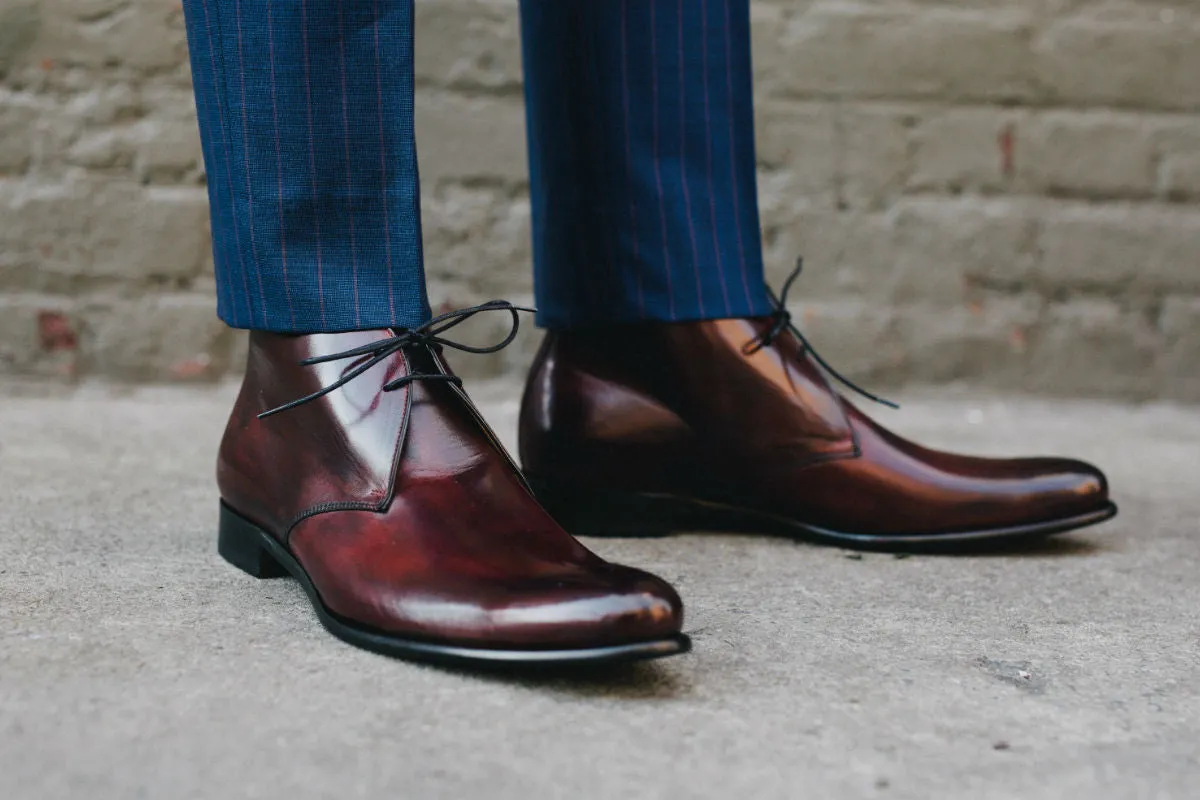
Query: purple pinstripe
x,y
246,145
287,289
683,166
708,139
312,158
212,57
733,157
633,217
323,196
581,244
674,78
598,147
387,228
594,244
349,176
662,209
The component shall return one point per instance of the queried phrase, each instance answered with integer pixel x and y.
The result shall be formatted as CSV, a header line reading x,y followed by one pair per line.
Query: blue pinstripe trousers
x,y
641,144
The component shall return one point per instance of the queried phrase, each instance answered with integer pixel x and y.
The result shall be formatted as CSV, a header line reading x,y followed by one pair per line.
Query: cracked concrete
x,y
134,663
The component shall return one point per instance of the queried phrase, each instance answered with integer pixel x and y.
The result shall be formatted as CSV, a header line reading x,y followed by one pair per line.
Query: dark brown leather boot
x,y
732,425
411,530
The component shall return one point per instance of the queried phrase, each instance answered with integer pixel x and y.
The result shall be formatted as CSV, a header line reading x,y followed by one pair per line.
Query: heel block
x,y
240,542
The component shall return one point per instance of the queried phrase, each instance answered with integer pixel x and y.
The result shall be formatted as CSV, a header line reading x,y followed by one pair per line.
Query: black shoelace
x,y
783,322
429,334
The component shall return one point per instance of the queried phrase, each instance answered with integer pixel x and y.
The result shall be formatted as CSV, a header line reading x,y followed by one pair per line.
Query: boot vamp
x,y
464,553
427,571
895,486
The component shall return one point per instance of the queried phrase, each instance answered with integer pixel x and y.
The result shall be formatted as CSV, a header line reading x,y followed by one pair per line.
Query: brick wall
x,y
1002,193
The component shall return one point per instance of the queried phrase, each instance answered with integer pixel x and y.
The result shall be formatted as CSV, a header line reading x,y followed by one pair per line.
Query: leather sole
x,y
584,512
252,550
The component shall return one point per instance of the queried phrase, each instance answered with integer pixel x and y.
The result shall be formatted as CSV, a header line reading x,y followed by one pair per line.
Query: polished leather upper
x,y
408,516
695,410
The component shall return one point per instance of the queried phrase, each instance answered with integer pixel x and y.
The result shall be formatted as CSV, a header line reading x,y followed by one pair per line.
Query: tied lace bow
x,y
427,335
783,322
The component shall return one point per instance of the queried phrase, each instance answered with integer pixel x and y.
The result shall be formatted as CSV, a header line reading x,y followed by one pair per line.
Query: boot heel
x,y
584,512
240,543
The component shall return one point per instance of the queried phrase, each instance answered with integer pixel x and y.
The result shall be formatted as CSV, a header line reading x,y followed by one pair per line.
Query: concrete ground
x,y
134,663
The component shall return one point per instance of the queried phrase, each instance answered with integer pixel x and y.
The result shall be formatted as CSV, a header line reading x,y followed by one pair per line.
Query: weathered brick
x,y
1098,154
468,44
103,149
106,229
1180,324
923,250
845,253
144,37
155,337
883,345
1121,247
1093,346
478,237
20,24
1179,176
167,150
18,116
872,154
470,138
1177,148
966,149
39,335
839,49
943,247
101,105
856,336
1120,62
801,142
985,341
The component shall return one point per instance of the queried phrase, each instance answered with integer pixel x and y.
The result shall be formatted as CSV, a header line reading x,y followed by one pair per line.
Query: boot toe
x,y
620,606
1065,488
605,606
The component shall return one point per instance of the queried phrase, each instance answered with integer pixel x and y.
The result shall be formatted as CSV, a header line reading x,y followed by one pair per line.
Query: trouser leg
x,y
306,122
642,162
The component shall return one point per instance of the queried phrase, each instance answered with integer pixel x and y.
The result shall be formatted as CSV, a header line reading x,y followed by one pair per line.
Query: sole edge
x,y
650,516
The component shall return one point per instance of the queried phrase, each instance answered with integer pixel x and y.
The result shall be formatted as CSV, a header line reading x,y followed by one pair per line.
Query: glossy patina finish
x,y
407,515
692,410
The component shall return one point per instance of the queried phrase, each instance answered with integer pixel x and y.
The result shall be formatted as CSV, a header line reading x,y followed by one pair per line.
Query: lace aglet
x,y
295,403
275,411
874,398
